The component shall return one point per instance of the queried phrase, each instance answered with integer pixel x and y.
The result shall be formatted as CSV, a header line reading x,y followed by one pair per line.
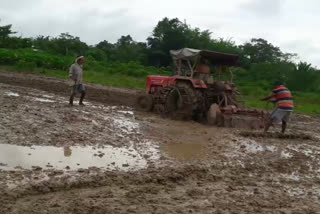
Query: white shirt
x,y
75,73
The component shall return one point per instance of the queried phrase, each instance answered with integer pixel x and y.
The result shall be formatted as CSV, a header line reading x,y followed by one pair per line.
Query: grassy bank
x,y
304,102
116,80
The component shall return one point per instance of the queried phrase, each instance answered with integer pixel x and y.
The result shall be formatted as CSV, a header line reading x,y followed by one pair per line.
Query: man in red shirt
x,y
283,99
203,67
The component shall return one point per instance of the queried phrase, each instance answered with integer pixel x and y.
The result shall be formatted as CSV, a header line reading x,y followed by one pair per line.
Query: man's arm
x,y
72,73
268,97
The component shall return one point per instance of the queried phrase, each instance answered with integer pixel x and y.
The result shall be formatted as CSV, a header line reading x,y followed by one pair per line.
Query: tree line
x,y
259,60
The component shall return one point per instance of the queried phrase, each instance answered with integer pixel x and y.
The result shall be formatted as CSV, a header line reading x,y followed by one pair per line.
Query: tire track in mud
x,y
188,189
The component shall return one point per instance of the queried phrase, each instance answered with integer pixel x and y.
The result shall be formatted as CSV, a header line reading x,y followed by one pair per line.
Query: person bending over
x,y
284,106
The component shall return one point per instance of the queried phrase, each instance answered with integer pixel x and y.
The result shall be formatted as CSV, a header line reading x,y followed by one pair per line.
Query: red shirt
x,y
283,98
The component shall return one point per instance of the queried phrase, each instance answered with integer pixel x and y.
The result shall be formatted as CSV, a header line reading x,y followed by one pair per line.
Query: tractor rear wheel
x,y
183,101
145,102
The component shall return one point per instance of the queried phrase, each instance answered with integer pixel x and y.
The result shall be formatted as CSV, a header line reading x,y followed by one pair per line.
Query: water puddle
x,y
12,94
126,112
47,96
307,150
125,124
251,146
286,155
43,100
46,157
184,151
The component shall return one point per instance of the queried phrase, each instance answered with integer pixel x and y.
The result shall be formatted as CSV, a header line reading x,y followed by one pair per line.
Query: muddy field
x,y
106,157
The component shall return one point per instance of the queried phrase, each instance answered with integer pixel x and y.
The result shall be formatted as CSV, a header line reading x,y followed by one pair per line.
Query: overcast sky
x,y
293,25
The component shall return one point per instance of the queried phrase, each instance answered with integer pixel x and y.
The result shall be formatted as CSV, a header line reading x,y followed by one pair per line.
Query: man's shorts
x,y
280,115
79,88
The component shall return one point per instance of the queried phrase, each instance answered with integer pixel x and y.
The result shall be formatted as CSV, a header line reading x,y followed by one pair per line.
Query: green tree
x,y
261,51
42,42
304,78
64,44
167,35
170,34
69,45
6,31
108,49
9,41
129,50
124,50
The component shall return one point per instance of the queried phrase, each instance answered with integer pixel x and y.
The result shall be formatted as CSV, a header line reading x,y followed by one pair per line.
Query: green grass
x,y
304,102
308,103
115,80
299,105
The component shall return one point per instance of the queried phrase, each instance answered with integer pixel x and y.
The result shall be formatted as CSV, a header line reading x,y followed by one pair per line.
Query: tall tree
x,y
172,34
7,40
6,31
261,51
67,44
168,34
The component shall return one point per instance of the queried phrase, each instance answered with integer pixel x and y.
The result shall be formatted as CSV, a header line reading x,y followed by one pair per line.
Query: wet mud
x,y
106,157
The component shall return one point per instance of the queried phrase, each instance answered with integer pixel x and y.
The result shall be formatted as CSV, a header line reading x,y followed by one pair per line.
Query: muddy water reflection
x,y
185,151
109,157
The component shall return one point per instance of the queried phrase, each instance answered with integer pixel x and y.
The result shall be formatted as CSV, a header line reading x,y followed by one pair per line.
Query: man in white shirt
x,y
75,73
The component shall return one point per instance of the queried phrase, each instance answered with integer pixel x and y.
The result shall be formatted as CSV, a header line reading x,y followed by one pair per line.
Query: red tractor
x,y
192,93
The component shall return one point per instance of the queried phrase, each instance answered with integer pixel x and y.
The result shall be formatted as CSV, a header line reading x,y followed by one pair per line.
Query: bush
x,y
24,65
34,57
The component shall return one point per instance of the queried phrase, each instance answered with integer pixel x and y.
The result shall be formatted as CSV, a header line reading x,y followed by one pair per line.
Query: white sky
x,y
290,24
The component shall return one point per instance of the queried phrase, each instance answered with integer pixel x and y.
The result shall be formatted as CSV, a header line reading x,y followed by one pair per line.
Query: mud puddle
x,y
184,151
75,157
43,100
251,146
11,94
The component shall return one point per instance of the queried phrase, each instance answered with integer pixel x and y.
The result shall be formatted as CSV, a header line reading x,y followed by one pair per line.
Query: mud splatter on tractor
x,y
192,93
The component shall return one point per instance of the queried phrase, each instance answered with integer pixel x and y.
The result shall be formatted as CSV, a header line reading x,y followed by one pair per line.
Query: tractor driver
x,y
203,67
203,72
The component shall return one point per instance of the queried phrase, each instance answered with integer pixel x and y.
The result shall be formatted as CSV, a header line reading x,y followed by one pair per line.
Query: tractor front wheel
x,y
145,102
